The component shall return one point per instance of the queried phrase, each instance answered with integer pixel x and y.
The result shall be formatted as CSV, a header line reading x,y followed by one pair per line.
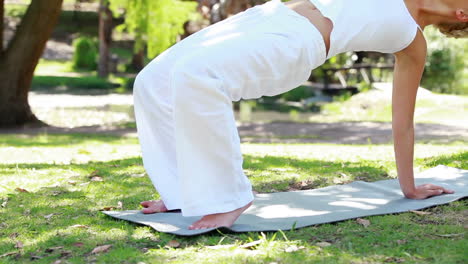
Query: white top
x,y
368,25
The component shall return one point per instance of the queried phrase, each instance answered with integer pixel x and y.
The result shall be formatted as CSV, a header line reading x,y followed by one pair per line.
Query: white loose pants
x,y
183,102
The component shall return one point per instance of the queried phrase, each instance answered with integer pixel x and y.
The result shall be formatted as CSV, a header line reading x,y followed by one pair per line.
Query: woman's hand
x,y
427,190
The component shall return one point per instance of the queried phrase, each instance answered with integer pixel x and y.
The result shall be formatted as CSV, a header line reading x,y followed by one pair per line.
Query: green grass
x,y
61,207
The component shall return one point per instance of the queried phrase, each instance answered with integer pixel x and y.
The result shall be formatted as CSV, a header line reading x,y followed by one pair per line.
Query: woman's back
x,y
368,25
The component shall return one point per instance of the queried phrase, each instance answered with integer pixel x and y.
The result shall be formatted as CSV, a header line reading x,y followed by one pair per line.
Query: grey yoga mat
x,y
288,210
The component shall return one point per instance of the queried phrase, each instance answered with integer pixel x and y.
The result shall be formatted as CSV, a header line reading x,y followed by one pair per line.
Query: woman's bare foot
x,y
152,207
219,220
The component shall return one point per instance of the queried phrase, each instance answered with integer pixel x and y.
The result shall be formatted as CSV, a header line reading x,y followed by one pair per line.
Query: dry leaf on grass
x,y
323,244
450,235
363,222
19,244
78,244
293,248
9,254
97,179
21,190
101,249
401,242
50,215
5,202
421,212
72,182
111,208
80,226
173,244
36,257
13,235
52,249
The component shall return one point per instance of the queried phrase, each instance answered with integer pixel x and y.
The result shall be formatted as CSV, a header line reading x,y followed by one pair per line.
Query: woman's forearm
x,y
404,153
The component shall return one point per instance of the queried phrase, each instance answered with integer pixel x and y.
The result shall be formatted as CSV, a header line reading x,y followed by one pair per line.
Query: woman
x,y
183,98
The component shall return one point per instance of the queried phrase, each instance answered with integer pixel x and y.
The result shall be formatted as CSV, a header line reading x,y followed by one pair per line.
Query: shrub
x,y
85,55
446,69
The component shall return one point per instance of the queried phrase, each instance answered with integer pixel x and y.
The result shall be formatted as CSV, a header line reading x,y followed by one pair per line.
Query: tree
x,y
105,38
154,23
18,61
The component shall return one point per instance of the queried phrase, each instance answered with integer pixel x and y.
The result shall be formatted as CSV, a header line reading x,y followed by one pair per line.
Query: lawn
x,y
52,188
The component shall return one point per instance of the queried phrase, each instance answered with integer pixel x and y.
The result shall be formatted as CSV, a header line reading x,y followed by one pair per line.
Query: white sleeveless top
x,y
368,25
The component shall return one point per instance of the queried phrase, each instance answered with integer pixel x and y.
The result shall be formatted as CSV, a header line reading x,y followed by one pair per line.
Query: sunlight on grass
x,y
65,180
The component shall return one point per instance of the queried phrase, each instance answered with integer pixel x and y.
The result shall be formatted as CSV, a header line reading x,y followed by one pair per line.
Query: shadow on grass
x,y
67,216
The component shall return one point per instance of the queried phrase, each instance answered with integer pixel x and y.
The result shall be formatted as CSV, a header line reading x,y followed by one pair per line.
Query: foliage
x,y
157,23
85,55
446,69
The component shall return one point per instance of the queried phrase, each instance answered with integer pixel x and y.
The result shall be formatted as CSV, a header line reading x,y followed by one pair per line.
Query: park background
x,y
68,145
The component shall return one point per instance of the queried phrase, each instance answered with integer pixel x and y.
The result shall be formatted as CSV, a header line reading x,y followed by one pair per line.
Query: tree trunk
x,y
105,38
138,60
2,16
19,60
233,7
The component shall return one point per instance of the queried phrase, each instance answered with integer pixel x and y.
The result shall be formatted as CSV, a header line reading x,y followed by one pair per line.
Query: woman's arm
x,y
409,67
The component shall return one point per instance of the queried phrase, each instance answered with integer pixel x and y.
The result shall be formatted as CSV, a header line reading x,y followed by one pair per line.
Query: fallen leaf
x,y
140,175
19,244
5,202
108,208
66,253
80,226
394,260
251,245
401,242
323,244
101,249
173,244
97,179
363,222
52,249
21,190
13,235
421,212
450,235
9,254
83,184
119,205
58,262
72,182
78,244
293,248
49,216
35,257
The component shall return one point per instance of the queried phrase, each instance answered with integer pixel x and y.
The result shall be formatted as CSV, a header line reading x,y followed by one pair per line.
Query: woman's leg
x,y
268,57
155,123
265,51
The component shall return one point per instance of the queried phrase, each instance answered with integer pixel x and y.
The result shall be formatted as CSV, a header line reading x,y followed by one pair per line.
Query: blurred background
x,y
94,49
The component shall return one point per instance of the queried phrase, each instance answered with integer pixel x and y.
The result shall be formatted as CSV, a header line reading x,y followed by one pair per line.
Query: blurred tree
x,y
154,23
105,37
19,59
